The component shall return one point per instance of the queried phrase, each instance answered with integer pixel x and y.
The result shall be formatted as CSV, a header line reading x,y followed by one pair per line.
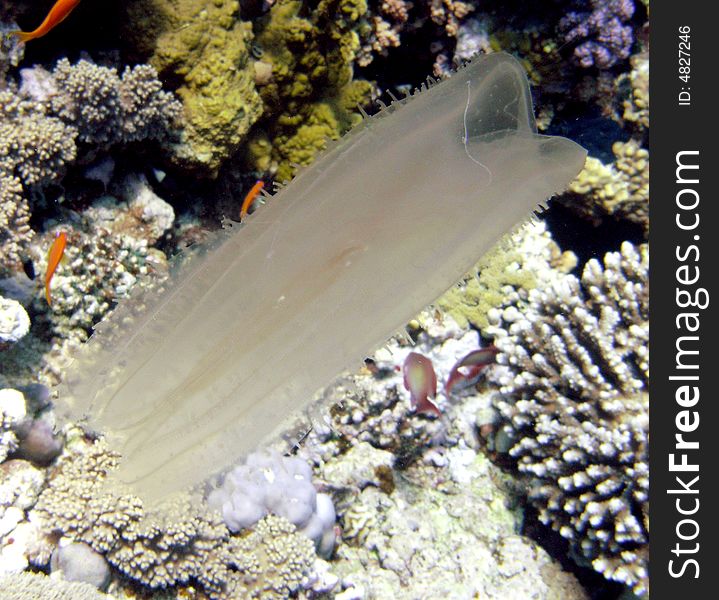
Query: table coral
x,y
203,48
575,406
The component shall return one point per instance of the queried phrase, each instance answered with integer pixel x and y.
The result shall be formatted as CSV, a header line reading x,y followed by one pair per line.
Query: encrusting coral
x,y
203,46
28,585
529,258
575,409
620,189
310,96
179,543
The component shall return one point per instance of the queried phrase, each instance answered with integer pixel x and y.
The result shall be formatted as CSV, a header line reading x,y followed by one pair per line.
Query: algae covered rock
x,y
202,47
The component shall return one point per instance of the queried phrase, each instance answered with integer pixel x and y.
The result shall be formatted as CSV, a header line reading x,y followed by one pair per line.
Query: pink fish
x,y
469,368
421,382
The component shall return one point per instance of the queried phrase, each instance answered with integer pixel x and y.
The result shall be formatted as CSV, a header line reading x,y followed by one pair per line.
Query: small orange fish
x,y
250,198
54,256
58,13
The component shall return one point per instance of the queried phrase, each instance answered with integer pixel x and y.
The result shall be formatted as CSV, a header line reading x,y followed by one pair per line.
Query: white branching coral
x,y
179,542
576,409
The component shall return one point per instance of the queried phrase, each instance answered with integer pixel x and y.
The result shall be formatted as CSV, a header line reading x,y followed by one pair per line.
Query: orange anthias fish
x,y
53,259
250,198
57,14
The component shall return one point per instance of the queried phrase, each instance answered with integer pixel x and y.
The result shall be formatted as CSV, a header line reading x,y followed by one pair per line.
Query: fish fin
x,y
22,36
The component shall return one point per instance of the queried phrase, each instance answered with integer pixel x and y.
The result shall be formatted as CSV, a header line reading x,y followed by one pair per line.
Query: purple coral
x,y
602,32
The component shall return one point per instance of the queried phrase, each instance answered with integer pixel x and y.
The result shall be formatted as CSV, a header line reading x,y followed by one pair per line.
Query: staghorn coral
x,y
575,406
620,189
203,47
181,541
602,36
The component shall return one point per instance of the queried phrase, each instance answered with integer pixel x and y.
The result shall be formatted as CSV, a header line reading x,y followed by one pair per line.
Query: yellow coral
x,y
204,45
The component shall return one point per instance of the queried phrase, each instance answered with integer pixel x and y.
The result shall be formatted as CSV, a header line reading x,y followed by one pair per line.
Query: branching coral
x,y
179,542
34,145
15,231
575,406
109,109
602,34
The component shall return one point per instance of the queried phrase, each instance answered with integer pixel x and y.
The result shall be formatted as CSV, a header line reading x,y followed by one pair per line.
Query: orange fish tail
x,y
23,36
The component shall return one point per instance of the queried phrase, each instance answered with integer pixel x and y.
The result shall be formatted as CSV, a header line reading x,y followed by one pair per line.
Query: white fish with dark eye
x,y
383,223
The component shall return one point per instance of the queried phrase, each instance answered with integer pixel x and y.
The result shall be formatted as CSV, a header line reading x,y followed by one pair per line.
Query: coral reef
x,y
522,261
14,322
281,485
601,35
310,96
109,109
620,189
24,586
180,542
202,47
12,413
57,118
574,404
442,532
